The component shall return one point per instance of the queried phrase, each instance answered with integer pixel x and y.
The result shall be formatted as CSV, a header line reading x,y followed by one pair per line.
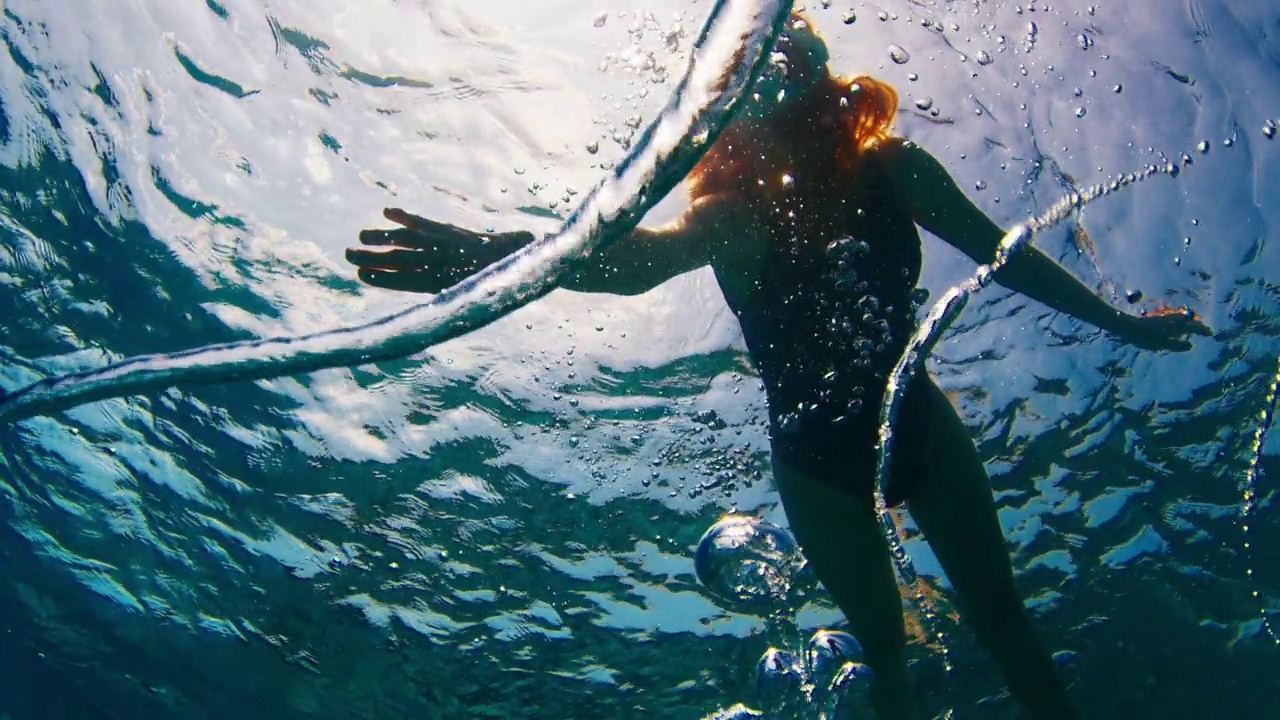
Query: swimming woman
x,y
806,209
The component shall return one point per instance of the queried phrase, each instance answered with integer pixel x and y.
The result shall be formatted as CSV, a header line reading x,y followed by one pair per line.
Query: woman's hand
x,y
427,256
1164,328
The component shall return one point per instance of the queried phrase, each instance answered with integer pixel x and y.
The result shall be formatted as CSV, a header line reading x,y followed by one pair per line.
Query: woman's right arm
x,y
423,255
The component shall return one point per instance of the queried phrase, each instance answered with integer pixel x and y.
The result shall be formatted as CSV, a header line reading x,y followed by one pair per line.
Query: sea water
x,y
505,525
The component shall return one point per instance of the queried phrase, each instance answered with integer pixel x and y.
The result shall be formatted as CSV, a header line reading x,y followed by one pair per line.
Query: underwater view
x,y
249,471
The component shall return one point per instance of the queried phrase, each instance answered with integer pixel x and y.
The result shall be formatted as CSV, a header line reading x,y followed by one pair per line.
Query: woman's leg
x,y
952,504
842,542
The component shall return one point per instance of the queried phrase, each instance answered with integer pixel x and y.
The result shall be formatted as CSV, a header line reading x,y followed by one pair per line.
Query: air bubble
x,y
601,19
830,649
899,55
924,103
849,18
983,58
1064,658
1269,129
780,680
1081,112
593,147
750,563
1202,147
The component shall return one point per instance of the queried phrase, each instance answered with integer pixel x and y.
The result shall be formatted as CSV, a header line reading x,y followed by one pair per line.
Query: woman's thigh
x,y
951,502
842,541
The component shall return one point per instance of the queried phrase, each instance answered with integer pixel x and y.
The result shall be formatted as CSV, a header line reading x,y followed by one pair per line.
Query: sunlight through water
x,y
564,508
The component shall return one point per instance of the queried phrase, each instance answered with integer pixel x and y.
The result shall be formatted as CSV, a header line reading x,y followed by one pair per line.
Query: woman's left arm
x,y
938,205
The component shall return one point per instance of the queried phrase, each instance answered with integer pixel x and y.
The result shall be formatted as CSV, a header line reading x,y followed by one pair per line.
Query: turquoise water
x,y
505,525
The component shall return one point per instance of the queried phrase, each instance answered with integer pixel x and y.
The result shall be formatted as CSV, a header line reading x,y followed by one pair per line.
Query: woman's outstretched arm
x,y
939,206
423,255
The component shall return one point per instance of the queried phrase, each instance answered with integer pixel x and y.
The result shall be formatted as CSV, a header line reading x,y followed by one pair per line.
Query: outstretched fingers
x,y
420,255
409,220
388,258
404,281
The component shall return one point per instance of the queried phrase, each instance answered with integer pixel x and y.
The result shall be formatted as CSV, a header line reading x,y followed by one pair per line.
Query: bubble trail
x,y
1265,418
728,54
939,318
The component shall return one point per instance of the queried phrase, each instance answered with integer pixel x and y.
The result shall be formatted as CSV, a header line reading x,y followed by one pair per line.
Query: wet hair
x,y
820,135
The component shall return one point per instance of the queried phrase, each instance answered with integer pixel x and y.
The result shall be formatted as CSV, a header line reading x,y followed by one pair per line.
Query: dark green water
x,y
504,526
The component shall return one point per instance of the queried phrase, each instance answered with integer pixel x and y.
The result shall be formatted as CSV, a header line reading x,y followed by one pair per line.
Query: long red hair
x,y
816,141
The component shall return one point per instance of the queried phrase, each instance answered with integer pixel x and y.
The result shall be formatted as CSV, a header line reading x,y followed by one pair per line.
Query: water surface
x,y
506,522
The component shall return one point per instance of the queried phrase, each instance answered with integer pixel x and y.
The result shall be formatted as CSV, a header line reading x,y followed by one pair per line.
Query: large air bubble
x,y
750,564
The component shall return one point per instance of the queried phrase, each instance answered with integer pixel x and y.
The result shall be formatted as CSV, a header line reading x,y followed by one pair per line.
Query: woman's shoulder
x,y
891,150
902,164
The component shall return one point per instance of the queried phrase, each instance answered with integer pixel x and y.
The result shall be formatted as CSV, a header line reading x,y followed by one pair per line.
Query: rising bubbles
x,y
748,563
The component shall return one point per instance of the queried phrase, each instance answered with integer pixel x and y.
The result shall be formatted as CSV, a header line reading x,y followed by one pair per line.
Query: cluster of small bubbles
x,y
827,656
828,677
1265,418
749,563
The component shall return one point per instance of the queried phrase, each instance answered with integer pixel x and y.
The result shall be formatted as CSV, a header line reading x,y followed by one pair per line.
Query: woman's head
x,y
801,122
797,64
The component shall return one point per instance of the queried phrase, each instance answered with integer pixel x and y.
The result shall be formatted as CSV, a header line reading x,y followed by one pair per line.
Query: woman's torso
x,y
827,303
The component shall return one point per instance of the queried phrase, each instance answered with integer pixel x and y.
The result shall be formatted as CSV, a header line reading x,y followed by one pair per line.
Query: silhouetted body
x,y
807,210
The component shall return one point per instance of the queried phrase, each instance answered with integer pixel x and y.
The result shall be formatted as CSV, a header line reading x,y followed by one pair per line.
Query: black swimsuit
x,y
827,321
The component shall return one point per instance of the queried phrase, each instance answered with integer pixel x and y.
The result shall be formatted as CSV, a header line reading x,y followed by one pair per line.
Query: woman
x,y
806,209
